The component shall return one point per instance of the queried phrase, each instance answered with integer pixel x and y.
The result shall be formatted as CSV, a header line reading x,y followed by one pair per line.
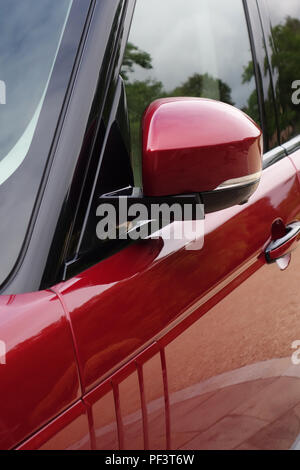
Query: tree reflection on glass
x,y
140,93
285,44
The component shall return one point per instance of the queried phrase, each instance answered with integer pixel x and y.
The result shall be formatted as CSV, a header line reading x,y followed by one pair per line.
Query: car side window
x,y
199,48
284,42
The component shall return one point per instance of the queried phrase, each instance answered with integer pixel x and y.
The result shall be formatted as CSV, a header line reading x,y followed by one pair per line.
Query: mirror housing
x,y
198,145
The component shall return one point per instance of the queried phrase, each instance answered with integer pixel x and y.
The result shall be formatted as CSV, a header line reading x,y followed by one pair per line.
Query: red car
x,y
154,343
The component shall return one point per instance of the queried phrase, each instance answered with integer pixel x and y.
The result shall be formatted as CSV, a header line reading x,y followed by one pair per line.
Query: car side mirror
x,y
197,145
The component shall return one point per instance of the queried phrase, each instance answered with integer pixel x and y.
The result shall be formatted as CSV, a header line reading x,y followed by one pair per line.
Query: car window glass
x,y
198,48
30,36
25,67
284,42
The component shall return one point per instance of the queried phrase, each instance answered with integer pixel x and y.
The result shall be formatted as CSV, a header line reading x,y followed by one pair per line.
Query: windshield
x,y
31,32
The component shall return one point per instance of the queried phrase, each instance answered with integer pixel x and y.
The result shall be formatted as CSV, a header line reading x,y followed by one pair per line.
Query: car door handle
x,y
284,245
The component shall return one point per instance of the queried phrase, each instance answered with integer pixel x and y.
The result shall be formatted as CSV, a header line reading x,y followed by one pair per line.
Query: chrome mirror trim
x,y
240,182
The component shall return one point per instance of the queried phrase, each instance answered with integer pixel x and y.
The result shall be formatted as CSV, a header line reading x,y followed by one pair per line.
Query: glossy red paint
x,y
145,298
39,380
116,315
70,431
124,414
132,317
196,144
144,406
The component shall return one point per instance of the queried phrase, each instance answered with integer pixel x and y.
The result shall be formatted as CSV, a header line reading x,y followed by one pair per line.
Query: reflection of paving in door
x,y
255,407
231,382
244,416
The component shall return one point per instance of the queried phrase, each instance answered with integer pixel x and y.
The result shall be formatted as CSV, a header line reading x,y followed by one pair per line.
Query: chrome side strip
x,y
281,151
273,156
292,145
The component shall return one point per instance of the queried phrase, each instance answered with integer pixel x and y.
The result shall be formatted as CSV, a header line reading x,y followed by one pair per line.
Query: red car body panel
x,y
152,295
40,379
70,431
148,333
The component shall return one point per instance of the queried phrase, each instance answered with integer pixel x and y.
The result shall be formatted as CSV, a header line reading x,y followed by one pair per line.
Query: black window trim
x,y
258,83
73,262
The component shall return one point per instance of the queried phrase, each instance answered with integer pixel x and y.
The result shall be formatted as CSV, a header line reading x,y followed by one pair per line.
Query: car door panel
x,y
70,431
244,389
129,409
157,291
39,378
247,392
